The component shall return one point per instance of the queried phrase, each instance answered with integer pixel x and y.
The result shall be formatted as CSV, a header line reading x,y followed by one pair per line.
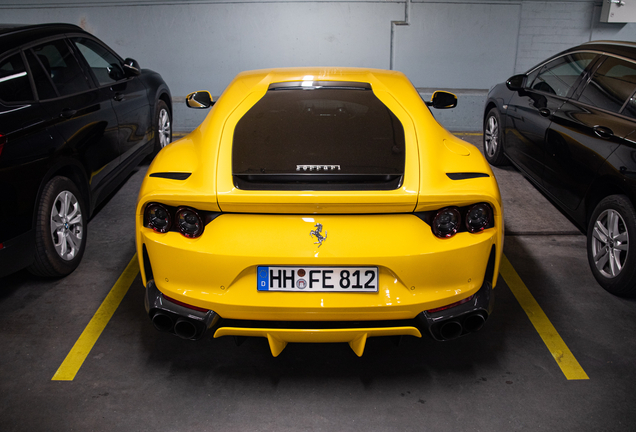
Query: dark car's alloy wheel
x,y
493,138
67,225
609,250
163,124
60,229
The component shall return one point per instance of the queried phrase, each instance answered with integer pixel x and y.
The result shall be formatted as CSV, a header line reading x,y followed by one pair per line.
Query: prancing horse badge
x,y
318,233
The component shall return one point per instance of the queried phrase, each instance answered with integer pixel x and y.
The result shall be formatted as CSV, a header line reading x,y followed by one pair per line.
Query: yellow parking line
x,y
561,353
467,133
557,347
74,360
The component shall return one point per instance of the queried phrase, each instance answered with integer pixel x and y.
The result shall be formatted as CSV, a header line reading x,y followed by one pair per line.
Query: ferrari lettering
x,y
317,168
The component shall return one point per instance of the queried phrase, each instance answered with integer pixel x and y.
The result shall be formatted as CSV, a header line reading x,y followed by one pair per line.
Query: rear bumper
x,y
210,283
17,253
443,325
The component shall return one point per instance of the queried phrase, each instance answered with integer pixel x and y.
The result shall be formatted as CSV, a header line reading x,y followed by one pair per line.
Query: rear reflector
x,y
196,308
452,305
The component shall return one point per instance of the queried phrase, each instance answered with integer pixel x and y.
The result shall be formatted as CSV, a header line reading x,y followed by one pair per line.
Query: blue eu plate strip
x,y
263,278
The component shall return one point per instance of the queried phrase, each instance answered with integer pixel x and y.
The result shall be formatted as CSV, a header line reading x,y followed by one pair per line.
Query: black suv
x,y
569,124
75,120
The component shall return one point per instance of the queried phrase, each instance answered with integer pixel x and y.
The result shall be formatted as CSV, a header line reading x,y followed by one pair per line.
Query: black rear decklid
x,y
318,136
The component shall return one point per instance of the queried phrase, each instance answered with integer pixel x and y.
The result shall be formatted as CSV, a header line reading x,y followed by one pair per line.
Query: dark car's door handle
x,y
68,113
603,132
545,112
118,96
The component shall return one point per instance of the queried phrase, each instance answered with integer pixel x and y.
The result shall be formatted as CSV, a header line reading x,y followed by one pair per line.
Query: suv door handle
x,y
118,96
603,132
545,112
68,113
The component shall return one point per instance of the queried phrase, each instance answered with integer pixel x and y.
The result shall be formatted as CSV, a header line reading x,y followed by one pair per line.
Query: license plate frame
x,y
364,279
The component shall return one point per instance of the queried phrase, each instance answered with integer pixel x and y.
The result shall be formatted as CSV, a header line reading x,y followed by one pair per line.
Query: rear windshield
x,y
324,136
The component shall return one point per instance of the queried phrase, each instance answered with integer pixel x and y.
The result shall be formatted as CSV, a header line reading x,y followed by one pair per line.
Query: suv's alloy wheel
x,y
493,139
163,123
610,252
60,229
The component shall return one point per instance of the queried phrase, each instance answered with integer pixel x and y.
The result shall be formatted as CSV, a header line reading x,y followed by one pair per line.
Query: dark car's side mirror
x,y
131,67
199,100
115,72
516,83
443,100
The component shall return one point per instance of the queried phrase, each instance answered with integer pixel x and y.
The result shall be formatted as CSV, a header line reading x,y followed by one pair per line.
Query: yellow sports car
x,y
319,205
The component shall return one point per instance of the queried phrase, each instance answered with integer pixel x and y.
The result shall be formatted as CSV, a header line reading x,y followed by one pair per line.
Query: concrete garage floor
x,y
503,378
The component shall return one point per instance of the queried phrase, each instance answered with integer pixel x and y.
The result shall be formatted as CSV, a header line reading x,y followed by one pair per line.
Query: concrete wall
x,y
465,46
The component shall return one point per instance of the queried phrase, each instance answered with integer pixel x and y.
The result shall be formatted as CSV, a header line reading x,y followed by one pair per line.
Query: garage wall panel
x,y
456,45
547,28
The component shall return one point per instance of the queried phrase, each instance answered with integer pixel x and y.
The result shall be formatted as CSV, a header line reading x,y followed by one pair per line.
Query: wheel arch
x,y
74,171
601,188
157,90
490,104
168,100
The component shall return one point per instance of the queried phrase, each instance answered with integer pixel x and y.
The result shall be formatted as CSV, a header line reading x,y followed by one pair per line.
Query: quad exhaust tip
x,y
452,329
162,322
184,328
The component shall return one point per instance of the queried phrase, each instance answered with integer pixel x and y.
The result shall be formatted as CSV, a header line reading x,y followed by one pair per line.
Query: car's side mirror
x,y
516,83
199,100
443,100
115,72
131,67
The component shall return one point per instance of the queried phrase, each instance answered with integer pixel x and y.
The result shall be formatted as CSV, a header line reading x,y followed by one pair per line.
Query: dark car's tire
x,y
493,139
611,245
60,229
163,126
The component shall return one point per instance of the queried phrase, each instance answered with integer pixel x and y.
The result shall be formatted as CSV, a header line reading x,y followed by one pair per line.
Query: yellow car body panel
x,y
417,271
378,228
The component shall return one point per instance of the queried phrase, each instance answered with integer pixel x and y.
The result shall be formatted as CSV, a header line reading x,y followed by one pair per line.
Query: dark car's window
x,y
611,86
559,76
62,67
630,107
338,135
41,78
532,76
14,81
103,63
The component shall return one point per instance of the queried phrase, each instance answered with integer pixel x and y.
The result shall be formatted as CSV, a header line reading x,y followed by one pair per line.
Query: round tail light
x,y
189,222
158,218
446,222
478,217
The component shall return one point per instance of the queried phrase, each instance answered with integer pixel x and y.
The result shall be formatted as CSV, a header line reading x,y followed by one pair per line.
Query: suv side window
x,y
60,64
14,80
103,63
612,86
41,78
560,75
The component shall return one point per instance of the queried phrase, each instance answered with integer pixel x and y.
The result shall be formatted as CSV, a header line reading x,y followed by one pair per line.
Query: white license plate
x,y
318,279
